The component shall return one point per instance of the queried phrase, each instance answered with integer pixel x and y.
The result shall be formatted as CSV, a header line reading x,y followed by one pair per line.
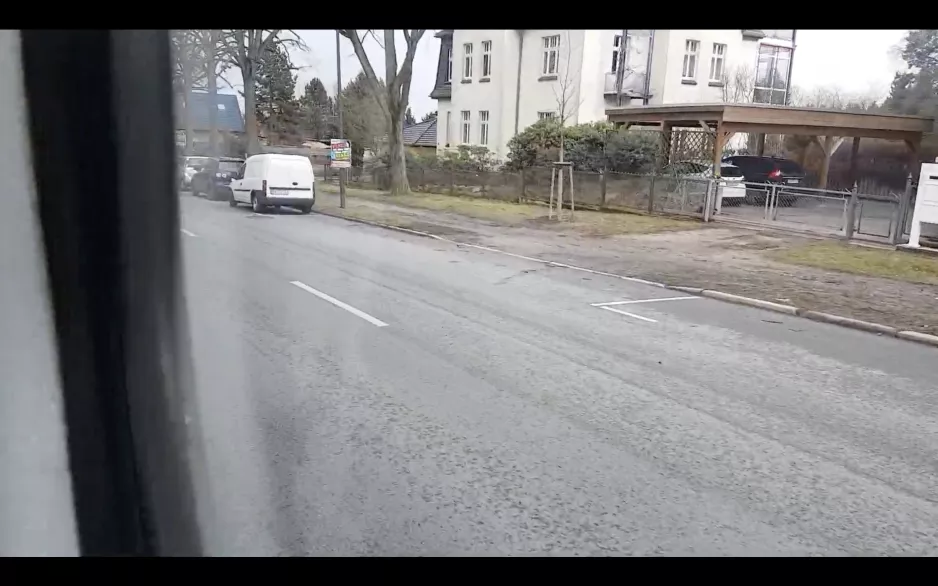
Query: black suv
x,y
214,176
759,171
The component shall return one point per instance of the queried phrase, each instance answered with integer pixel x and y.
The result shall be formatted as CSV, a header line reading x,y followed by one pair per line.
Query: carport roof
x,y
772,119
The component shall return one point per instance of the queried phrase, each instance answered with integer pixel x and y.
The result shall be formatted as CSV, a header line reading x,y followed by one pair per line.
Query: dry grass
x,y
862,260
500,212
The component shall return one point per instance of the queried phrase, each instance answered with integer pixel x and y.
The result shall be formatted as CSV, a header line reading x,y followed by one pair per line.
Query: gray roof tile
x,y
421,134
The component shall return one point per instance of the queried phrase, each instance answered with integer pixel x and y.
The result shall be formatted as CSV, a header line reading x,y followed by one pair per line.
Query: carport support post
x,y
719,139
662,158
826,166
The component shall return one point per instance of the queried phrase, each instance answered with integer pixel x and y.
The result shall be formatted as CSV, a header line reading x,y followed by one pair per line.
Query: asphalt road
x,y
363,391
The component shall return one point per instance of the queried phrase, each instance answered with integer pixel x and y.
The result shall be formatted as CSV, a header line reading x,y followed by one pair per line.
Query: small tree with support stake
x,y
564,93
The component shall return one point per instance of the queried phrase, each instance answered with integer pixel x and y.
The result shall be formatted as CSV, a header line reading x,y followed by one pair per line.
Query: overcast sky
x,y
853,61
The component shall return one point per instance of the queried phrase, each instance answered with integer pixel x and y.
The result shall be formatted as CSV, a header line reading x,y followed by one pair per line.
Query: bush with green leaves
x,y
463,158
590,147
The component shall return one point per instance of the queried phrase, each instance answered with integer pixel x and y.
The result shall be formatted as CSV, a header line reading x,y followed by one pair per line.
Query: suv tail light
x,y
775,174
264,186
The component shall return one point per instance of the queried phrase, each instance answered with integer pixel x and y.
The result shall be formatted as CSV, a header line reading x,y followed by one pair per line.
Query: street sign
x,y
340,153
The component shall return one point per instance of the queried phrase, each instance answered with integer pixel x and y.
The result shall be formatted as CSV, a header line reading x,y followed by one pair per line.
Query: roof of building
x,y
421,134
229,112
777,120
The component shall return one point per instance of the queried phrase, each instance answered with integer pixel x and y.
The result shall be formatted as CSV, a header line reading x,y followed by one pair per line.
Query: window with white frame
x,y
449,124
486,58
546,115
615,50
467,61
551,57
483,127
771,86
466,126
717,61
449,66
691,48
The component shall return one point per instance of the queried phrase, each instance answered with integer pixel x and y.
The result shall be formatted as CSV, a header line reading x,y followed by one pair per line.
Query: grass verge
x,y
592,223
861,260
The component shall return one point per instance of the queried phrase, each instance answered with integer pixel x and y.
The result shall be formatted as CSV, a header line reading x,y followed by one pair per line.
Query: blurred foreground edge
x,y
100,122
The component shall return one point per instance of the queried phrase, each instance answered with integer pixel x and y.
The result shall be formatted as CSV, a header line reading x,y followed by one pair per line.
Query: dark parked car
x,y
760,171
214,176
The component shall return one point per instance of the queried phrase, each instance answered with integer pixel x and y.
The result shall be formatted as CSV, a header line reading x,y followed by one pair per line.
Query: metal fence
x,y
650,193
851,214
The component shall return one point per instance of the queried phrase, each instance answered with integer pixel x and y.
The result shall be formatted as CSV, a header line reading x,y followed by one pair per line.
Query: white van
x,y
270,180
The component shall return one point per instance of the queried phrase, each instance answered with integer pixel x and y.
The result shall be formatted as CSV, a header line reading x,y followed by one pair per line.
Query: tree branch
x,y
352,35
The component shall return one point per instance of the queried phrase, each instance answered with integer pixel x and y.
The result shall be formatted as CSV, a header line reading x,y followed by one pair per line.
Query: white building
x,y
491,84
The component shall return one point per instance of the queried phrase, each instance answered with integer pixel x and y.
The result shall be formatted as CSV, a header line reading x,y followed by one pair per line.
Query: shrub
x,y
590,147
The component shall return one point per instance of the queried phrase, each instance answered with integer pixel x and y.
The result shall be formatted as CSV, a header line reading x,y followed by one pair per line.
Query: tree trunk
x,y
187,93
250,109
212,84
396,164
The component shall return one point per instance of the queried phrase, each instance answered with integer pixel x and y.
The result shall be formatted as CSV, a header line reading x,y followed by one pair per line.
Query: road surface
x,y
366,392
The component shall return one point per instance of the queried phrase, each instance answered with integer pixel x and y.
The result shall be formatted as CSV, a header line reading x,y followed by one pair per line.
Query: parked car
x,y
214,178
189,167
271,180
732,187
759,171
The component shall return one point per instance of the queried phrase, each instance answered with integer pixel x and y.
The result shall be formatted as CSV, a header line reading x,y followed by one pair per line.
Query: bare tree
x,y
739,84
566,90
242,49
213,65
397,88
187,73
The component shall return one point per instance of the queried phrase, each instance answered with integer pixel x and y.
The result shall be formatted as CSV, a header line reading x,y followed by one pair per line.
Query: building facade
x,y
492,84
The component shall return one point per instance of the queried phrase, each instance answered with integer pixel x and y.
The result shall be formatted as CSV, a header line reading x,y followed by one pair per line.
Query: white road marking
x,y
648,319
631,301
188,233
368,318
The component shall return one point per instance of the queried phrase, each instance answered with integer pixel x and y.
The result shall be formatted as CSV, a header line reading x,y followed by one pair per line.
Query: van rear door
x,y
290,177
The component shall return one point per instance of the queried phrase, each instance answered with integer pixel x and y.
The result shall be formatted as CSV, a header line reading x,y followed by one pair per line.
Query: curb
x,y
818,316
918,337
379,225
848,322
739,299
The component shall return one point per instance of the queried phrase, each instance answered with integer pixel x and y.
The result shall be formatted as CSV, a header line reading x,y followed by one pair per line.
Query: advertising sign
x,y
340,154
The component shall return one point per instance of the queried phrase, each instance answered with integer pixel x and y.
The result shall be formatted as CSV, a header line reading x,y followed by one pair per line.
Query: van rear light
x,y
775,174
264,186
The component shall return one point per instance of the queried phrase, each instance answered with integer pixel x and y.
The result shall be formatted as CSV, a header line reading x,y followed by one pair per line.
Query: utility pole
x,y
338,102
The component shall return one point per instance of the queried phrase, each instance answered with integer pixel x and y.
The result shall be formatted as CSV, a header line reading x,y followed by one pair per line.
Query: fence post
x,y
708,200
452,182
904,202
521,196
774,205
602,188
651,194
850,220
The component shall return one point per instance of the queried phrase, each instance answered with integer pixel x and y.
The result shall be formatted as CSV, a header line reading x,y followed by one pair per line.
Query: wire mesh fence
x,y
656,172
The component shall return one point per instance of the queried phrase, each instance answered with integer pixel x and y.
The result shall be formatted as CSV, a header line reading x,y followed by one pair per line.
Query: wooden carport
x,y
725,120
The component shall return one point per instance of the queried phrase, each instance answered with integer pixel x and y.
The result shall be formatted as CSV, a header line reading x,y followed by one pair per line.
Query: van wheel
x,y
232,202
306,209
256,205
